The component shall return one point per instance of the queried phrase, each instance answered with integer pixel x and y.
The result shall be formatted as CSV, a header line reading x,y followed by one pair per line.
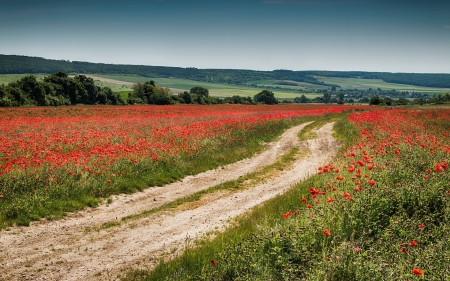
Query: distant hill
x,y
13,64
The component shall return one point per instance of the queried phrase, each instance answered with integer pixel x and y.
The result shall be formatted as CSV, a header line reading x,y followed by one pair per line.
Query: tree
x,y
326,97
266,97
199,91
375,100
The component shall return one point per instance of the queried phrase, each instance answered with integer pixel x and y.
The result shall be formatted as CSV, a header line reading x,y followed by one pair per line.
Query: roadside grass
x,y
28,202
387,221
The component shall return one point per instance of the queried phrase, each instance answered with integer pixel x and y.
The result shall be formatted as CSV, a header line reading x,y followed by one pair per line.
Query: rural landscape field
x,y
225,140
178,193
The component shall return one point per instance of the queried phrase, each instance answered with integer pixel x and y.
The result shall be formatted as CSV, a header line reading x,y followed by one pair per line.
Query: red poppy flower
x,y
304,200
413,243
213,262
421,225
326,232
417,271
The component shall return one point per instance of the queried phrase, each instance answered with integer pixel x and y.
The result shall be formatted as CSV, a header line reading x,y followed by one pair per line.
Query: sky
x,y
342,35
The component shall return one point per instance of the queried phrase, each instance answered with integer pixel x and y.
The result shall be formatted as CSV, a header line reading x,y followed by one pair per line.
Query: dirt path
x,y
63,250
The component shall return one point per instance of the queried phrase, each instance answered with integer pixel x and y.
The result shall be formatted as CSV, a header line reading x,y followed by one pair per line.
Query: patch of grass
x,y
364,84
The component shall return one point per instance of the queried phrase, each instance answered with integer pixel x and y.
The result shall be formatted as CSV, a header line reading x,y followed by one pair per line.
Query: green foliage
x,y
55,90
266,97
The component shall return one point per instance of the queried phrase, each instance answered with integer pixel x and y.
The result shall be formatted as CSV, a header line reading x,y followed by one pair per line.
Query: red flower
x,y
417,271
309,206
413,243
213,262
356,249
287,214
330,200
1,196
421,225
304,200
326,232
371,182
404,250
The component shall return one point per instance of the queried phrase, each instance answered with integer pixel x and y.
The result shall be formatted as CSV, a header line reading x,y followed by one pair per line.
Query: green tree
x,y
375,100
266,97
199,91
326,97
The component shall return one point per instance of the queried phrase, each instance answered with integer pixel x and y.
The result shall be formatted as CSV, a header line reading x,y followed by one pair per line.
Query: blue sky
x,y
365,35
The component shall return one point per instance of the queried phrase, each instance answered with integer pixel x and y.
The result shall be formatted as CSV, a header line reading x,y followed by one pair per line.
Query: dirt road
x,y
64,250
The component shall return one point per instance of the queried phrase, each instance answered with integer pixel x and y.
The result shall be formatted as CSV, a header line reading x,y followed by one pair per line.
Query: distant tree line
x,y
12,64
341,98
56,89
60,89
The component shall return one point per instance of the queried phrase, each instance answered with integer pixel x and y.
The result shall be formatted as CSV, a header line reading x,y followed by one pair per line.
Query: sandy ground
x,y
64,250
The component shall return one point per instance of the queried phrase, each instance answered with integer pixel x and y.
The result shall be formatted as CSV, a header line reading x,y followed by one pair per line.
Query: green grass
x,y
216,89
364,84
5,79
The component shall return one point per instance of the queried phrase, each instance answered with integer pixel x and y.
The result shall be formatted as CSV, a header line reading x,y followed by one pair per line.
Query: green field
x,y
215,89
364,84
281,89
8,78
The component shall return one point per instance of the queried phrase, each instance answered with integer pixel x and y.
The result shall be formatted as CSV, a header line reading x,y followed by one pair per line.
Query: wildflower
x,y
330,200
421,225
326,232
417,271
1,196
438,168
357,250
413,243
108,181
371,182
309,206
404,250
287,214
304,200
213,262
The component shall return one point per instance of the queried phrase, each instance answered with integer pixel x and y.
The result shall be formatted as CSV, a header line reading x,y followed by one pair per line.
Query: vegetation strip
x,y
385,196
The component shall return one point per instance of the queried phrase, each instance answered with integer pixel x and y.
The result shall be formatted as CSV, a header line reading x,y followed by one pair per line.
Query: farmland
x,y
384,195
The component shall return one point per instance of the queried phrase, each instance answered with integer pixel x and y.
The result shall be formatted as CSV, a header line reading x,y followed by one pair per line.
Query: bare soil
x,y
64,250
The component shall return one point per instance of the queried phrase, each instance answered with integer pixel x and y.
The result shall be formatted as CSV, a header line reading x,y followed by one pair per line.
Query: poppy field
x,y
58,160
379,210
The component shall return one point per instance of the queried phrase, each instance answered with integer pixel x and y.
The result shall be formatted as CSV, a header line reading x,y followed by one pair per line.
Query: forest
x,y
13,64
